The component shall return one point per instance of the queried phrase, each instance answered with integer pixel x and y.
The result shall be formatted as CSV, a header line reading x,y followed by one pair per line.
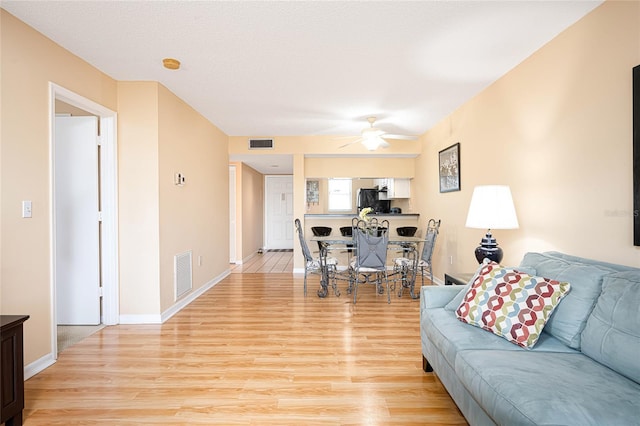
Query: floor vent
x,y
182,274
260,143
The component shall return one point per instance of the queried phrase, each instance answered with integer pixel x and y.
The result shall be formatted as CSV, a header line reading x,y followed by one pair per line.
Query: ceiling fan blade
x,y
402,137
384,144
350,143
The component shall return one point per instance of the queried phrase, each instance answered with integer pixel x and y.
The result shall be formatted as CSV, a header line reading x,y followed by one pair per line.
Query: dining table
x,y
405,244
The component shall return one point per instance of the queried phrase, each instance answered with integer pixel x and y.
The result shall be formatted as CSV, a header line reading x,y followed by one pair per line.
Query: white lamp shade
x,y
492,208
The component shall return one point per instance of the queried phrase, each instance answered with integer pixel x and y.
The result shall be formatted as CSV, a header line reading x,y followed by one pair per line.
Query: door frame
x,y
108,201
233,226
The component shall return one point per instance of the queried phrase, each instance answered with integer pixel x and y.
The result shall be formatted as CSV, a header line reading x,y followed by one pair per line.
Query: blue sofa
x,y
583,370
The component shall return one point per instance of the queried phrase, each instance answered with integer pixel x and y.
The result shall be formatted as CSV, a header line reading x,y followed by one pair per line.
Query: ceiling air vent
x,y
260,143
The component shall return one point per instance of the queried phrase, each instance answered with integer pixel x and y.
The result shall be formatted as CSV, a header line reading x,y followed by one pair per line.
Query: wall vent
x,y
183,275
260,143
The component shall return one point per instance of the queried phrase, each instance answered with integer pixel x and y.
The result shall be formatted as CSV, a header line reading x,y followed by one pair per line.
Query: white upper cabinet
x,y
398,188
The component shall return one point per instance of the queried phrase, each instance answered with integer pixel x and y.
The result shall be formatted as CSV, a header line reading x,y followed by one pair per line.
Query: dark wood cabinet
x,y
456,278
12,373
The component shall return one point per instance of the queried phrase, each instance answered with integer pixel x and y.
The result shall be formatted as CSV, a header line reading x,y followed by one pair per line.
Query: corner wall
x,y
557,129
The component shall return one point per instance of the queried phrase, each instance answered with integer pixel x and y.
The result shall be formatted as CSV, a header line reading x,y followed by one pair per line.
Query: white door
x,y
279,212
232,214
77,241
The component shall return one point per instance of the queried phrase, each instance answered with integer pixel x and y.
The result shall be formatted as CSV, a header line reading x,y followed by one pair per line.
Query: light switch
x,y
26,209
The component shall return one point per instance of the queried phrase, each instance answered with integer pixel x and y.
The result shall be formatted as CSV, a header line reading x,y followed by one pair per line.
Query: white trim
x,y
109,202
38,365
233,210
175,308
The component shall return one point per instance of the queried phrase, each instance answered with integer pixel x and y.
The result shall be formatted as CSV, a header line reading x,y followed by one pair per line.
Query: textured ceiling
x,y
308,67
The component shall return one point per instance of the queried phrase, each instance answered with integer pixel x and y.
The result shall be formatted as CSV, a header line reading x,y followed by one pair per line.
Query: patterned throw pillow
x,y
511,304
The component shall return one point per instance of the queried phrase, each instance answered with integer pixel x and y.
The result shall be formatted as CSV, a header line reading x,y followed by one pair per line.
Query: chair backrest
x,y
303,244
372,248
433,228
321,231
346,231
407,231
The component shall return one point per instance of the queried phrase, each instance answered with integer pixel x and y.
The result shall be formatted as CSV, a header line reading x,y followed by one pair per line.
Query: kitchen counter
x,y
350,215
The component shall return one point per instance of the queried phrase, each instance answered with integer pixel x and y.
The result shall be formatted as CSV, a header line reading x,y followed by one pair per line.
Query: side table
x,y
12,386
457,278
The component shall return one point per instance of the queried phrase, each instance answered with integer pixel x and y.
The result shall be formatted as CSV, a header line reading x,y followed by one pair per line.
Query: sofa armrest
x,y
437,296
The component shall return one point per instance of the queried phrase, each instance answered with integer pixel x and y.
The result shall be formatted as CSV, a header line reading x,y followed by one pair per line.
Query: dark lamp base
x,y
488,249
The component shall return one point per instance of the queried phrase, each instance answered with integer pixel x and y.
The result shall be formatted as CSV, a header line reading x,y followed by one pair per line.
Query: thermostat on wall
x,y
179,179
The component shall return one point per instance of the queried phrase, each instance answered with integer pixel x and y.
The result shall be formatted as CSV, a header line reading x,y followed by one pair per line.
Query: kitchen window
x,y
340,198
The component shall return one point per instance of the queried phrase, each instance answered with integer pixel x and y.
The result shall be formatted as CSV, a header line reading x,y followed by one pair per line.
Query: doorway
x,y
83,268
278,212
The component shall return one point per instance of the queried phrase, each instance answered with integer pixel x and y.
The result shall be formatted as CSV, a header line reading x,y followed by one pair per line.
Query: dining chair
x,y
371,241
408,267
313,265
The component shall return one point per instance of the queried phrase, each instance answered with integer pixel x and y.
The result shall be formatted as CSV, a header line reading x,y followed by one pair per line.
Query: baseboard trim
x,y
182,303
177,307
38,365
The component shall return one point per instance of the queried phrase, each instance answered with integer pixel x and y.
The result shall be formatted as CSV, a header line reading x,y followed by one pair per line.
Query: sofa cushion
x,y
544,388
511,304
449,335
570,318
612,333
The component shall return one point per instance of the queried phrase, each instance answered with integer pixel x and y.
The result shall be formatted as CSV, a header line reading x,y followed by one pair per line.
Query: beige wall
x,y
29,62
157,134
371,167
557,129
160,135
194,216
252,187
139,218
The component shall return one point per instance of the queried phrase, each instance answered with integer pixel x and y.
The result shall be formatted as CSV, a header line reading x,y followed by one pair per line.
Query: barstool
x,y
347,231
321,231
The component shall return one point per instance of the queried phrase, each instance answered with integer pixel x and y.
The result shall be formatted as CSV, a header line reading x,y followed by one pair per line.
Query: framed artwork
x,y
636,156
313,191
449,168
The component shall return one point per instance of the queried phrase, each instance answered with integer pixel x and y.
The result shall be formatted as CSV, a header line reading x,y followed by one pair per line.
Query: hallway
x,y
269,262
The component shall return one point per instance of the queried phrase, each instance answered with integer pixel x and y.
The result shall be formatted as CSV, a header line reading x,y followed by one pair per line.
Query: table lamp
x,y
491,208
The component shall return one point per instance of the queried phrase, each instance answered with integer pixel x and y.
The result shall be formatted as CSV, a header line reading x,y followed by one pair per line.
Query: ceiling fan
x,y
373,137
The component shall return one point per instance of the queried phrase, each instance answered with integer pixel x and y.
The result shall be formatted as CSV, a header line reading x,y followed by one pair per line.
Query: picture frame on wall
x,y
449,168
636,155
313,192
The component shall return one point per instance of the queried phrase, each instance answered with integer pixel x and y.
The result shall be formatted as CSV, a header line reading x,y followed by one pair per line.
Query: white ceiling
x,y
287,68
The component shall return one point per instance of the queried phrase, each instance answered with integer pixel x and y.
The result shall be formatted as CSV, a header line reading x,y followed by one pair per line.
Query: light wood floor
x,y
268,263
251,351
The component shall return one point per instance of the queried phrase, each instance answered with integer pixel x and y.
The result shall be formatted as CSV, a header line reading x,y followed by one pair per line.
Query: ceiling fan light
x,y
372,132
373,143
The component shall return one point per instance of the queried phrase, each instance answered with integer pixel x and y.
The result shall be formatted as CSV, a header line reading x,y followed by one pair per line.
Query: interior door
x,y
279,212
77,232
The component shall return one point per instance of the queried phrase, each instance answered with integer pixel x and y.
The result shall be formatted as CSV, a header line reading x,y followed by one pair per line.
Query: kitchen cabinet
x,y
380,182
398,188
